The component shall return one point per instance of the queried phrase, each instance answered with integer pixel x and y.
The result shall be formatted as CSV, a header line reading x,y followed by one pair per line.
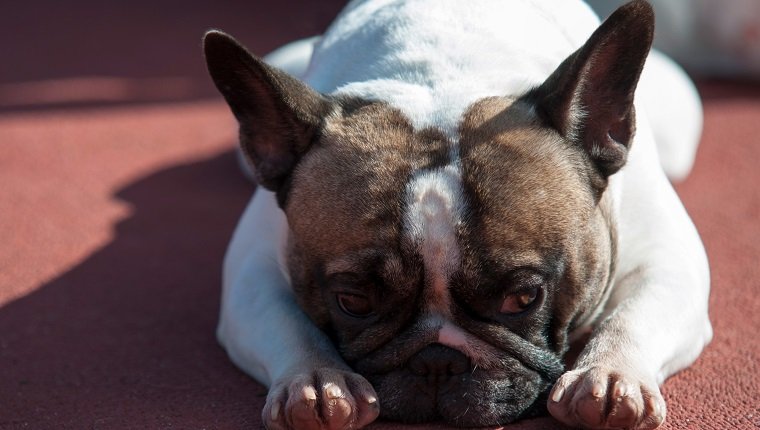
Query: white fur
x,y
435,205
473,49
485,54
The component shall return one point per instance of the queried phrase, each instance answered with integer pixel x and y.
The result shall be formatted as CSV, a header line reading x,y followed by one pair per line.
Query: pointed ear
x,y
589,98
279,115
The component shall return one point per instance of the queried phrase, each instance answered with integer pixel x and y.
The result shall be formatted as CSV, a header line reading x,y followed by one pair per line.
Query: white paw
x,y
601,398
325,399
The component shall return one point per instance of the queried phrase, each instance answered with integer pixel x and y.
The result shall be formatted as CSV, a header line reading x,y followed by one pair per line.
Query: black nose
x,y
439,363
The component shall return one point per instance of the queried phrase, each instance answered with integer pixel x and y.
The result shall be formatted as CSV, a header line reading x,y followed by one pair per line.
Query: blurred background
x,y
708,37
119,191
80,52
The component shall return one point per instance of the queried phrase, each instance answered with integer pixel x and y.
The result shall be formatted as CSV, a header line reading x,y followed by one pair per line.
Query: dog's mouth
x,y
492,377
474,398
438,383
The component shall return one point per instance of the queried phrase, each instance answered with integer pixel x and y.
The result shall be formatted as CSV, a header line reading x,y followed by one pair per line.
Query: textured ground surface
x,y
119,192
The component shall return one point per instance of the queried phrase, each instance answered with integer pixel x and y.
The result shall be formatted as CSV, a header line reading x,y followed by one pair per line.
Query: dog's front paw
x,y
324,399
598,398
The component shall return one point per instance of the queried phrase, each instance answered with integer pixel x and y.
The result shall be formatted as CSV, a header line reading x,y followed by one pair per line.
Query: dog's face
x,y
451,288
448,271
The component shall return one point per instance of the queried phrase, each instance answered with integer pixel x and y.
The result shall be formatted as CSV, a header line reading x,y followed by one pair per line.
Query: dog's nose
x,y
439,362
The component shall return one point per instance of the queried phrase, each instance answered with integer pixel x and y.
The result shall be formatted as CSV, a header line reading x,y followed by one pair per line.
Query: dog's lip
x,y
548,364
435,406
395,355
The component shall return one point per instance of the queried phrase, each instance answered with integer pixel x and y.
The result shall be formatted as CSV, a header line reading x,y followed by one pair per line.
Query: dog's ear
x,y
589,98
279,115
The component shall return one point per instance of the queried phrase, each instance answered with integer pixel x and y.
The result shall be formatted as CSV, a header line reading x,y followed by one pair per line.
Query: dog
x,y
452,194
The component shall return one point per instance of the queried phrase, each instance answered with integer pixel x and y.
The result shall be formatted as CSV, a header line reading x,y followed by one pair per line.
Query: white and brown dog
x,y
456,192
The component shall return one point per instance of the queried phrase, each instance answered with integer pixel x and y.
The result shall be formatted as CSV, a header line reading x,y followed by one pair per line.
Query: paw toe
x,y
337,406
654,414
625,405
590,404
367,405
302,408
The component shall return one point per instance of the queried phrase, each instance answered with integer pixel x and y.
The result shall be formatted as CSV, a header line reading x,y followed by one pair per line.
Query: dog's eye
x,y
355,305
519,302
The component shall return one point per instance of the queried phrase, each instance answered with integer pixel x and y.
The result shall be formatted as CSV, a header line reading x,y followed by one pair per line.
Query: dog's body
x,y
452,215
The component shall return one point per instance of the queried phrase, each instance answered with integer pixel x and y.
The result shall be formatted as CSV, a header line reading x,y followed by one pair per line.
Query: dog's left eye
x,y
519,302
355,305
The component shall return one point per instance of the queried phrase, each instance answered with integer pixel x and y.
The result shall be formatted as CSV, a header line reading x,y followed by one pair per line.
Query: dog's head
x,y
449,279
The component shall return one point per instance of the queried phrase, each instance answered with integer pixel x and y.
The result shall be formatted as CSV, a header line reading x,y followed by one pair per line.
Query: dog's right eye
x,y
517,303
355,305
529,286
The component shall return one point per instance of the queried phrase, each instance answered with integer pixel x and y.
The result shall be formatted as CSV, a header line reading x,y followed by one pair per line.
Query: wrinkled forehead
x,y
529,185
348,190
375,182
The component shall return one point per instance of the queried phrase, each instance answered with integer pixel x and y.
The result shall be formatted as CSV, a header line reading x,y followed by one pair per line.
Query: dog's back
x,y
433,58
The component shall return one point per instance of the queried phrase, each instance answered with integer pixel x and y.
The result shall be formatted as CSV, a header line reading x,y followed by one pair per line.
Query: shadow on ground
x,y
126,338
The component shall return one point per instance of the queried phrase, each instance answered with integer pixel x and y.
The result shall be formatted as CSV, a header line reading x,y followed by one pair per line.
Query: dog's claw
x,y
325,399
595,398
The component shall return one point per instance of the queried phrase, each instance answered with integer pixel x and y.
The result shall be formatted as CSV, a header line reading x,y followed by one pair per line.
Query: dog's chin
x,y
472,399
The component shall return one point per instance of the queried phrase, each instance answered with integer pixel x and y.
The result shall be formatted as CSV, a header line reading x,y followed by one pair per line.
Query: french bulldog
x,y
450,195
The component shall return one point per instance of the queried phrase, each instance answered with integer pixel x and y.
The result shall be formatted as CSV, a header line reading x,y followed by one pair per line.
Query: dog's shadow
x,y
125,339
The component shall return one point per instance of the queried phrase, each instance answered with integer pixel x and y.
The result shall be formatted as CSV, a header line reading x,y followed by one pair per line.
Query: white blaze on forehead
x,y
434,211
